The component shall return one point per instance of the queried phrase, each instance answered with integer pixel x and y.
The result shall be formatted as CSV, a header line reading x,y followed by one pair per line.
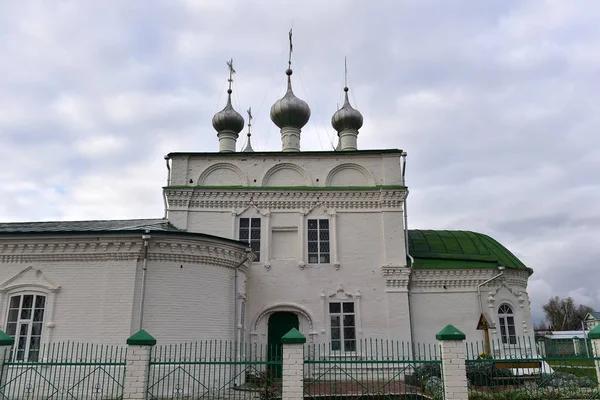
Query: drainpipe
x,y
168,184
249,257
501,268
412,260
145,237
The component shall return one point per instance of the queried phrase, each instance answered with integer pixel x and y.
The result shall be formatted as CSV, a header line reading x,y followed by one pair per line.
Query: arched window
x,y
506,318
24,323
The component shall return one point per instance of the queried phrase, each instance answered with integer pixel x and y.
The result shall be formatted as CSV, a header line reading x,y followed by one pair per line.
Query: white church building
x,y
255,243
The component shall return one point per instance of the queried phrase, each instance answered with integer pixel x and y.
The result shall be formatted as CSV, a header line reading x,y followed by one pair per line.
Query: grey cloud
x,y
495,102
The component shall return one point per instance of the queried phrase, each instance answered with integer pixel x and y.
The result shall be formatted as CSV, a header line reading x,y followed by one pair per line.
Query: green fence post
x,y
6,343
454,369
139,346
594,336
292,385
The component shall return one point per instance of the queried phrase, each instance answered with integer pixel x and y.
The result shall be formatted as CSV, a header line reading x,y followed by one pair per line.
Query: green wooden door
x,y
280,323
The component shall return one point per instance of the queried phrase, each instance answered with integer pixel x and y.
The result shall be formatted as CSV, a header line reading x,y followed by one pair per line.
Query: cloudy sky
x,y
496,103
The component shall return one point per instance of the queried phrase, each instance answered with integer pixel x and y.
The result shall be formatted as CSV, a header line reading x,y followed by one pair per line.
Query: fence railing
x,y
521,371
215,370
75,371
373,369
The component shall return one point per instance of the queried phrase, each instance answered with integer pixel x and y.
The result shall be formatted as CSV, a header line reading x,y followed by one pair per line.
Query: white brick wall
x,y
454,370
189,303
136,372
94,302
293,370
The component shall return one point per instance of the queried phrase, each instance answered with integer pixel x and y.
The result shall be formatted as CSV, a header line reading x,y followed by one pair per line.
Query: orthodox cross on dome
x,y
249,145
291,48
231,72
345,73
249,111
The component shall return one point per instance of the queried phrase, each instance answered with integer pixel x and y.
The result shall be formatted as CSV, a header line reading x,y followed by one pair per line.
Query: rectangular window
x,y
24,323
318,241
343,326
250,232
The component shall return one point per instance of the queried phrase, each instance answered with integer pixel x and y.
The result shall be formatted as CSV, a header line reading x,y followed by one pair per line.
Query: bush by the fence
x,y
422,373
563,379
486,373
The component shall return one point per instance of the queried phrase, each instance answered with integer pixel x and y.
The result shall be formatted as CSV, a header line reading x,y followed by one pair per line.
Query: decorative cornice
x,y
26,251
465,278
184,199
396,276
85,250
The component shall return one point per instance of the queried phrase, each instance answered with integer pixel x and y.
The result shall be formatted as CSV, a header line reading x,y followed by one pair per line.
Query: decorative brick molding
x,y
466,278
396,276
184,199
174,249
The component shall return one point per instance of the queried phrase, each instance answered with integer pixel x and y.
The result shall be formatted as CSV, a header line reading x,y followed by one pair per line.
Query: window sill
x,y
317,265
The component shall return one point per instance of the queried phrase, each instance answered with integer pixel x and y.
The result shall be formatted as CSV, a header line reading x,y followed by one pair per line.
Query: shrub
x,y
482,373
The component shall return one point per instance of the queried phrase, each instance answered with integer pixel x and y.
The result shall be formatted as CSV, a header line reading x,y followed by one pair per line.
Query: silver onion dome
x,y
228,119
290,111
347,117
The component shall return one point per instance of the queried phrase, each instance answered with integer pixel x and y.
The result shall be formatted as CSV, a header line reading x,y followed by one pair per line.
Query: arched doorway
x,y
279,324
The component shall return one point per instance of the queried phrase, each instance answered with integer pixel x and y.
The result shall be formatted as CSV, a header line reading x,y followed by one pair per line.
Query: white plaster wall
x,y
190,303
93,304
361,256
432,311
435,307
382,168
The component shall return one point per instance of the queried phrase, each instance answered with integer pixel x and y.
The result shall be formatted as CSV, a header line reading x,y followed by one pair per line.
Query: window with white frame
x,y
250,232
318,241
506,318
24,323
343,326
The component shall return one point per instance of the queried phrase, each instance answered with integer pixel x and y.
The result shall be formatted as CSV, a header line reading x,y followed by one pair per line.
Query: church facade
x,y
255,243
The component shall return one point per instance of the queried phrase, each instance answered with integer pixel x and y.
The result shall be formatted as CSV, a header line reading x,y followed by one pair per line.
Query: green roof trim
x,y
141,338
595,333
156,227
255,154
293,337
441,249
450,332
6,340
312,188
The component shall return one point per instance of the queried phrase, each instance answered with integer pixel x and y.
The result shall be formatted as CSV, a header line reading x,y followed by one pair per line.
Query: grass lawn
x,y
584,367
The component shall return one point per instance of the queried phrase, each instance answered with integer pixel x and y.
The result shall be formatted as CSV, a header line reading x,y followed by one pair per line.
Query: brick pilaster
x,y
454,371
139,347
293,365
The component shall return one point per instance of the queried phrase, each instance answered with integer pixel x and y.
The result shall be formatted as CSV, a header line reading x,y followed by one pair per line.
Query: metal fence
x,y
374,369
74,371
520,371
215,370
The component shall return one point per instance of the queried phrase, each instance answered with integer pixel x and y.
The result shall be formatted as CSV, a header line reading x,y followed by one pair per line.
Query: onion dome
x,y
290,111
228,119
347,118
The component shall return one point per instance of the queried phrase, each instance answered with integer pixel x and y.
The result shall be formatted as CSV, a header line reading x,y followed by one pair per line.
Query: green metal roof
x,y
459,249
156,224
241,154
107,227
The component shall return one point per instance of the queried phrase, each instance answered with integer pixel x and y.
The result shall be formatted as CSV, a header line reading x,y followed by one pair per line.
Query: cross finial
x,y
345,72
231,72
291,48
249,111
